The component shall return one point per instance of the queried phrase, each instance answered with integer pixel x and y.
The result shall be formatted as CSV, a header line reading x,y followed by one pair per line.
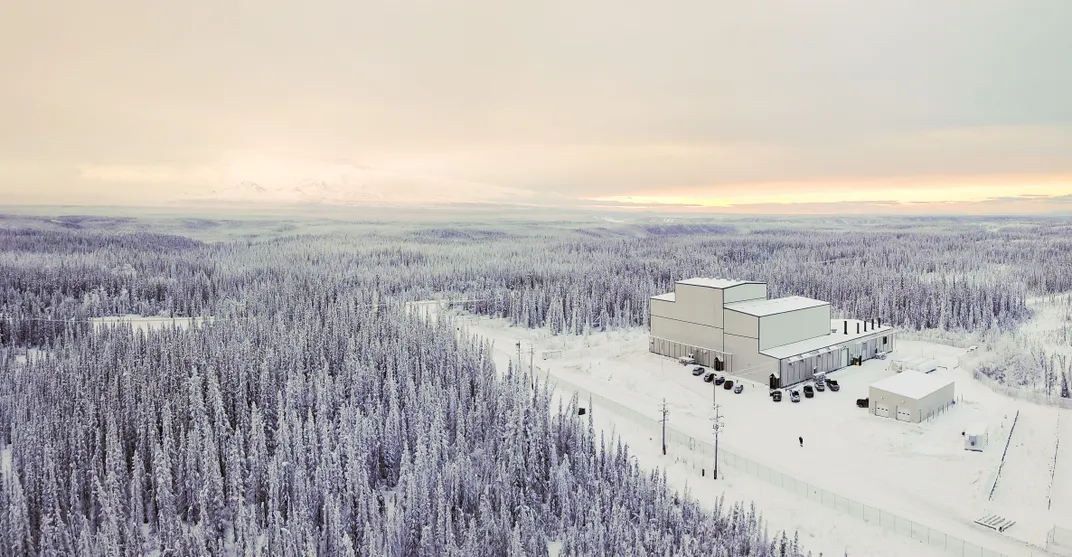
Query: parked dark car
x,y
727,385
832,383
720,380
697,371
819,386
863,402
794,396
808,391
709,377
738,389
776,396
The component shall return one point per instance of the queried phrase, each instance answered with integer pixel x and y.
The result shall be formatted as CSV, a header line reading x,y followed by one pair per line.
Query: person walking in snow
x,y
801,441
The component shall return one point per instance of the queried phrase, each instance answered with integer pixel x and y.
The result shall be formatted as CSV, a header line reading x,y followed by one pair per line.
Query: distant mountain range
x,y
366,187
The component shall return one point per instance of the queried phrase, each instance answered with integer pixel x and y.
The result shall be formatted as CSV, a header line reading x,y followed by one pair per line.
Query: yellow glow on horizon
x,y
894,191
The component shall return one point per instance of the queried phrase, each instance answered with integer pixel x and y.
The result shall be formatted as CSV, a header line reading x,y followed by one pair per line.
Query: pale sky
x,y
709,102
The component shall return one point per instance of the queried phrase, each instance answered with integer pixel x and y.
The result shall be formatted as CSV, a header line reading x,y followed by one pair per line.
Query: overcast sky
x,y
691,101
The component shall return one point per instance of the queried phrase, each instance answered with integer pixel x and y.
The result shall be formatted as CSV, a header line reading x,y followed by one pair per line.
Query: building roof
x,y
975,428
761,308
715,282
912,384
669,297
818,343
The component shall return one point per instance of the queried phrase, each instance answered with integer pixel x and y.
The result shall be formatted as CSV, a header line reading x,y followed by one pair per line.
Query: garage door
x,y
881,410
904,414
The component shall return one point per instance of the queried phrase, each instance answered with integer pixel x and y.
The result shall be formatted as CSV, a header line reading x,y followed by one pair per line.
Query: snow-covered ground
x,y
920,472
142,323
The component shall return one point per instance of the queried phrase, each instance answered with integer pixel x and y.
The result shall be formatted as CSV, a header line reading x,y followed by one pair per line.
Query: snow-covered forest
x,y
314,415
916,274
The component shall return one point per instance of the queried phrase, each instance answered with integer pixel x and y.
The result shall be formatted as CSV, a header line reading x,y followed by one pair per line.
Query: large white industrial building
x,y
731,325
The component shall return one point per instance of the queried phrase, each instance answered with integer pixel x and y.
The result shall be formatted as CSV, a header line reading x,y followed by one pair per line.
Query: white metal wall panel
x,y
698,304
741,324
748,363
686,333
937,400
663,308
743,292
793,326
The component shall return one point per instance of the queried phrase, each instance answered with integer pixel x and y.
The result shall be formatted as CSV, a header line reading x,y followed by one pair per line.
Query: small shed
x,y
911,396
975,437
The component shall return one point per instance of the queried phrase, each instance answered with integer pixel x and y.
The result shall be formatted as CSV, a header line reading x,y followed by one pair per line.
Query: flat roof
x,y
669,297
826,341
774,306
912,384
715,282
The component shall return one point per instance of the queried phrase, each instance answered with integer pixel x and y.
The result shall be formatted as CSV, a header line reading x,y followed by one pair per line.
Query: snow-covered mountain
x,y
366,187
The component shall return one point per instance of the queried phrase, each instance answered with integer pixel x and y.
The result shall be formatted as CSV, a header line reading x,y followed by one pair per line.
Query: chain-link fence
x,y
699,455
1023,394
1059,541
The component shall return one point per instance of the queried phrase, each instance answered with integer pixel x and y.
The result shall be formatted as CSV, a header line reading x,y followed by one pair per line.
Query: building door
x,y
844,357
904,414
881,410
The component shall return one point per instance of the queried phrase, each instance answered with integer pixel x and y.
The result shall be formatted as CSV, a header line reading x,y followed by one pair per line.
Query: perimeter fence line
x,y
699,455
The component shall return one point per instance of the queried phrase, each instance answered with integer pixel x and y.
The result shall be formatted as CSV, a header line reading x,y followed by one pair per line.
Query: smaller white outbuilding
x,y
910,396
975,437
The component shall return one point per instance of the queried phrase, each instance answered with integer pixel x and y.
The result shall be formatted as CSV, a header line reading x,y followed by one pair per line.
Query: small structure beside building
x,y
922,365
975,437
910,396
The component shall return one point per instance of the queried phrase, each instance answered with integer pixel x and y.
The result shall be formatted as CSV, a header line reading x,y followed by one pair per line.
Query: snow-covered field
x,y
918,471
145,324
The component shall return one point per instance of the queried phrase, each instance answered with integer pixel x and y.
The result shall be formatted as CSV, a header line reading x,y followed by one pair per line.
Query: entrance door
x,y
844,357
904,414
881,410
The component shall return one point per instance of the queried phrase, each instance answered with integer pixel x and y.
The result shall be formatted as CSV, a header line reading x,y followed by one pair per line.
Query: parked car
x,y
697,371
832,383
686,360
809,392
699,368
819,386
794,396
776,396
720,380
709,377
863,402
738,389
728,384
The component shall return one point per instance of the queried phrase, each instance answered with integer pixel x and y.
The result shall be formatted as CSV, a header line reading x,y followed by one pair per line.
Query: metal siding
x,y
686,333
937,400
793,326
703,355
744,292
741,324
699,304
748,363
663,308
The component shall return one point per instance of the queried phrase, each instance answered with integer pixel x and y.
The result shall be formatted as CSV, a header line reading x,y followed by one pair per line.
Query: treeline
x,y
959,276
328,428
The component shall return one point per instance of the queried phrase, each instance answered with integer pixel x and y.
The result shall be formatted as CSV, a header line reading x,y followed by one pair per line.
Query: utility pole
x,y
666,414
716,427
532,353
519,356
